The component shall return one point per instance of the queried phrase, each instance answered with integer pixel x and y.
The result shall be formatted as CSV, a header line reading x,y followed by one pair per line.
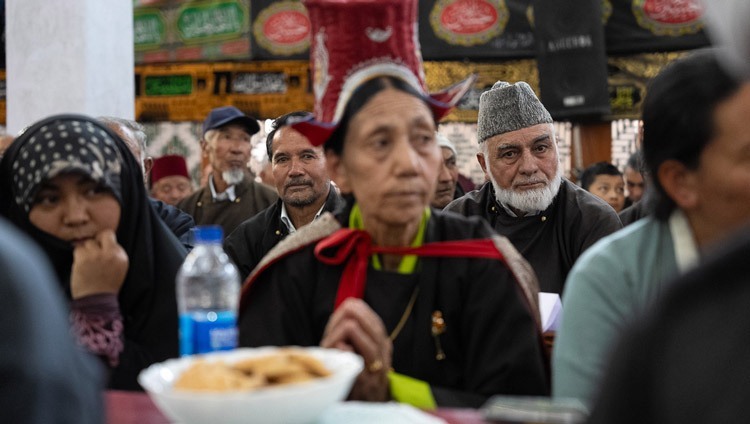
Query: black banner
x,y
476,29
503,29
638,26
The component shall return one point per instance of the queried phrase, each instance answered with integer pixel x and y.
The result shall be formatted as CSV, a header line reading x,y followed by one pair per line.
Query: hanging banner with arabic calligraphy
x,y
476,29
281,30
502,29
188,30
655,25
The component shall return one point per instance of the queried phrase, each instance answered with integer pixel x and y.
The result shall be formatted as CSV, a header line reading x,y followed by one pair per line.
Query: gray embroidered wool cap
x,y
509,107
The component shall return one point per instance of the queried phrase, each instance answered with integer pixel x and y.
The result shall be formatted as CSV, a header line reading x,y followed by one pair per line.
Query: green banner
x,y
149,29
169,85
211,21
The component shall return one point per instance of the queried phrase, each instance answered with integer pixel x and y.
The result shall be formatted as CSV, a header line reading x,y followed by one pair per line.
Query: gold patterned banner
x,y
443,74
628,78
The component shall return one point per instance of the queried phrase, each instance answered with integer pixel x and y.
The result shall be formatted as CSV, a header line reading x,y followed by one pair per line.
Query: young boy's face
x,y
611,189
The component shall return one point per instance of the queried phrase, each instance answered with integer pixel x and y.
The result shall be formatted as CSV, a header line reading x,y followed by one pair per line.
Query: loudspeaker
x,y
571,58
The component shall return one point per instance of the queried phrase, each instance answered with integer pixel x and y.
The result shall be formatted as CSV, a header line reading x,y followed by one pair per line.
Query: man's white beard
x,y
233,176
529,201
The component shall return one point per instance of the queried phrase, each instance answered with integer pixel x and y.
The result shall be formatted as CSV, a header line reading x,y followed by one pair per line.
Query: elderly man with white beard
x,y
550,220
230,196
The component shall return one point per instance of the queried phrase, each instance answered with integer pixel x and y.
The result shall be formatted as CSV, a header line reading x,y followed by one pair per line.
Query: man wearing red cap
x,y
230,196
170,181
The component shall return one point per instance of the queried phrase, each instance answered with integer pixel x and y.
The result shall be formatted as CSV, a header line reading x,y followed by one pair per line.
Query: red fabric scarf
x,y
355,248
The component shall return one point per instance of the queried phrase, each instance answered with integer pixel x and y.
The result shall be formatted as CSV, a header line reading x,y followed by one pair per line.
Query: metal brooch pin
x,y
438,328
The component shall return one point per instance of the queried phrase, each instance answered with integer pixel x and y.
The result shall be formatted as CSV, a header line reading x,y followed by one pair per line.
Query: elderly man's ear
x,y
204,147
480,159
148,163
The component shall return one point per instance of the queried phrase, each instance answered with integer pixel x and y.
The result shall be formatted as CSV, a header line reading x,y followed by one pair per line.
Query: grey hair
x,y
137,129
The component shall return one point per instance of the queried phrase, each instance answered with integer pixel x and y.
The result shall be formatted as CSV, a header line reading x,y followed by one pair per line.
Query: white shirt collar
x,y
227,194
685,249
288,222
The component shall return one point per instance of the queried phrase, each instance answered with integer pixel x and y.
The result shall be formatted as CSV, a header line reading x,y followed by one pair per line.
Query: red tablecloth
x,y
137,408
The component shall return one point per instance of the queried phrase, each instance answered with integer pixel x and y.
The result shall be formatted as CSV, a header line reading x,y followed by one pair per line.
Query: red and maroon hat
x,y
354,41
167,166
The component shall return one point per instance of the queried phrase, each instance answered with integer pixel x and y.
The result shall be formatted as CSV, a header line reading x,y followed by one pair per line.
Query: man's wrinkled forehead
x,y
525,137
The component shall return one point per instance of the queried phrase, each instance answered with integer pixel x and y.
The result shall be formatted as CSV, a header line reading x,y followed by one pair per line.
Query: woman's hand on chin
x,y
354,326
100,265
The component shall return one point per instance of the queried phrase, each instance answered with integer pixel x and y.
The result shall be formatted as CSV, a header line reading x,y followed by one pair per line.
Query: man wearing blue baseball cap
x,y
230,197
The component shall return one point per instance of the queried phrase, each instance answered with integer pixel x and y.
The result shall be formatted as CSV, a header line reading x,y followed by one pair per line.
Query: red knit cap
x,y
167,166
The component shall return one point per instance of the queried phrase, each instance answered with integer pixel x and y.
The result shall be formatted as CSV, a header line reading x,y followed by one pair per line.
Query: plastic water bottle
x,y
208,289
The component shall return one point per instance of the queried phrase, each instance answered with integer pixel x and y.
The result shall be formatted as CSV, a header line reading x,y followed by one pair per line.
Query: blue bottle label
x,y
202,332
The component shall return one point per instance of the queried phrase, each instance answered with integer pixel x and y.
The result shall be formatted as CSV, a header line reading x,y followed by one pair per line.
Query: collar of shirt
x,y
227,194
288,222
685,249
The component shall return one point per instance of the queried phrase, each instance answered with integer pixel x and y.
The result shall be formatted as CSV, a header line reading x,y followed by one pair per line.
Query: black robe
x,y
491,343
255,237
147,298
687,359
553,240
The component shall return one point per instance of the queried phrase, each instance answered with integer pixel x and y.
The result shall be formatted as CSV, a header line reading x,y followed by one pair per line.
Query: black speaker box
x,y
571,58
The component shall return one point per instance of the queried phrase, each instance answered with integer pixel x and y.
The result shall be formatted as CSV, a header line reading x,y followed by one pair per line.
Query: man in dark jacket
x,y
550,220
305,192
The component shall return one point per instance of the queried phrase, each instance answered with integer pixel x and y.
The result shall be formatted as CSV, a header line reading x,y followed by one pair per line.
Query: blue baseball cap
x,y
229,115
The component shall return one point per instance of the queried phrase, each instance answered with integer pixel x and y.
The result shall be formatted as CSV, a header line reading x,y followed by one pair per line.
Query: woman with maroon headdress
x,y
415,292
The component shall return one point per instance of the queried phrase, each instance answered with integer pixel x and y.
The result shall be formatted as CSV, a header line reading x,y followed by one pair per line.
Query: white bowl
x,y
291,404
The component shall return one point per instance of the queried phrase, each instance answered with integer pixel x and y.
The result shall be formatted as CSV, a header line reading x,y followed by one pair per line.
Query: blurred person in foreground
x,y
447,185
46,379
696,136
230,195
134,136
605,181
408,288
685,360
305,192
74,187
170,181
550,220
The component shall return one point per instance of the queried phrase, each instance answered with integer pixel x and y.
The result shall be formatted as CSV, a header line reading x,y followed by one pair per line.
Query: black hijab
x,y
74,143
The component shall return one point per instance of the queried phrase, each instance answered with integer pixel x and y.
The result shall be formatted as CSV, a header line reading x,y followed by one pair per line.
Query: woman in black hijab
x,y
72,184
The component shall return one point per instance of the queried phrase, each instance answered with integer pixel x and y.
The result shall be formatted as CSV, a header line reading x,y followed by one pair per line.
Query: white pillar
x,y
68,56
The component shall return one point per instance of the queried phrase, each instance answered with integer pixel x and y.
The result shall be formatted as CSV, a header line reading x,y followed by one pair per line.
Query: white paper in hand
x,y
550,307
